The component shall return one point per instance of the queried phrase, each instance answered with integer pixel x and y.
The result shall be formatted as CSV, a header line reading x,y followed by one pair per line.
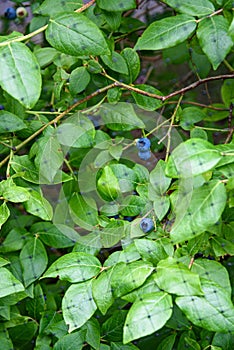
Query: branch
x,y
175,93
56,119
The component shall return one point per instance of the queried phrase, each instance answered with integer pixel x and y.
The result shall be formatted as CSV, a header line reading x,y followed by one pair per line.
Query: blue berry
x,y
10,13
146,225
129,218
143,144
144,155
1,107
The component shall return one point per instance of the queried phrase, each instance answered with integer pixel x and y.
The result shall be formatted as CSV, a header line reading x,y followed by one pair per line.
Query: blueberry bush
x,y
117,175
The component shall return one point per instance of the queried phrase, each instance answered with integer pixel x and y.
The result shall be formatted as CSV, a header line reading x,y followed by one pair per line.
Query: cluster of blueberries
x,y
12,13
143,146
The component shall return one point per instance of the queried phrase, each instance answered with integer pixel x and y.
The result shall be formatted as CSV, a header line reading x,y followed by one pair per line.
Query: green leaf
x,y
76,35
150,286
78,131
4,213
16,194
112,233
132,205
161,206
33,258
45,55
227,92
167,343
127,277
20,78
126,177
53,7
92,336
222,246
120,117
115,62
176,278
198,9
116,5
9,122
56,235
158,179
198,210
189,116
224,340
120,346
49,158
9,284
83,211
39,206
166,33
145,102
102,291
112,328
213,37
108,185
74,267
151,251
214,311
78,80
191,158
3,262
133,63
78,305
147,315
71,341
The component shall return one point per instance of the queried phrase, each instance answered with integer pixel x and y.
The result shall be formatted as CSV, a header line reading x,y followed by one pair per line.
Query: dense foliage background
x,y
117,175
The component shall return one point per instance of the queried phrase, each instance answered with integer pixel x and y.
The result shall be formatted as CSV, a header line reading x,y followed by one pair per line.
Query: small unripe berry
x,y
146,225
21,12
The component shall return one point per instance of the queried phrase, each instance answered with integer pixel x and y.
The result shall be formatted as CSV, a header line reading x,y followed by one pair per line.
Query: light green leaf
x,y
53,7
39,206
161,206
126,177
145,102
21,76
71,341
147,315
192,157
115,62
74,267
120,116
189,116
176,278
199,8
16,194
133,63
214,311
150,286
76,35
112,233
3,262
33,258
49,158
78,80
132,205
9,122
9,284
102,291
158,179
4,213
198,210
127,277
166,33
78,305
116,5
213,37
108,185
151,251
227,92
83,211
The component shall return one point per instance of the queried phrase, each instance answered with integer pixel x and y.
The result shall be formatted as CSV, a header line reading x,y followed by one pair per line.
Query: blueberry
x,y
10,13
1,107
143,144
146,225
129,218
21,12
144,155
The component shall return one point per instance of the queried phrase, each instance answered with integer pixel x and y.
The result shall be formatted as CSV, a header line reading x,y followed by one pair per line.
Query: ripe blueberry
x,y
10,13
1,107
143,144
146,225
21,12
144,155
